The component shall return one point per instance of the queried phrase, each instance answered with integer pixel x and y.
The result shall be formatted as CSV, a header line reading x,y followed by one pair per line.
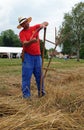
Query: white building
x,y
10,52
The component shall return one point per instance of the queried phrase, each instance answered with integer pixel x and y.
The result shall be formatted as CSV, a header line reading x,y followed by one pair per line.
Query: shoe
x,y
27,97
41,94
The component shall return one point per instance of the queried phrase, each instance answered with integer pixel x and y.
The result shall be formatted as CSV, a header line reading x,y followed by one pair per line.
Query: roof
x,y
10,49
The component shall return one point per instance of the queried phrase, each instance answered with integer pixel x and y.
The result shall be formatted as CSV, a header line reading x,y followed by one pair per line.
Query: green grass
x,y
10,62
65,64
59,63
13,66
10,66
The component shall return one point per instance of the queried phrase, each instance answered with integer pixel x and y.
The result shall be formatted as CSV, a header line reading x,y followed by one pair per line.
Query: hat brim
x,y
28,20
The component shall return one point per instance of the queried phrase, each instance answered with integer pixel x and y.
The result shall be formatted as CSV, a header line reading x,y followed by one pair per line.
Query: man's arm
x,y
32,40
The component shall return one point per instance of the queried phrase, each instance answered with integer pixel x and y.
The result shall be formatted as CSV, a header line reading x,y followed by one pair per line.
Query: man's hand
x,y
34,40
27,43
44,24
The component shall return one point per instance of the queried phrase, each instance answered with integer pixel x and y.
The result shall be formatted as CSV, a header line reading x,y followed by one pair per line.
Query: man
x,y
32,62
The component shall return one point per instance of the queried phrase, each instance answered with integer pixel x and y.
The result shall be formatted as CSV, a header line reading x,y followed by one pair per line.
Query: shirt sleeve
x,y
36,26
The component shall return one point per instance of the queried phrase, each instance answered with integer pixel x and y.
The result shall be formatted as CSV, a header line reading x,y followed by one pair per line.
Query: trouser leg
x,y
27,69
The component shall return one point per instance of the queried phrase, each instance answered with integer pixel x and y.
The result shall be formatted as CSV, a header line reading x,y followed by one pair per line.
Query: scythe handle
x,y
43,46
41,79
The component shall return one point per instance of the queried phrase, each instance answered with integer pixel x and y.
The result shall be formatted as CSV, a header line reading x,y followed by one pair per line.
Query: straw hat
x,y
22,20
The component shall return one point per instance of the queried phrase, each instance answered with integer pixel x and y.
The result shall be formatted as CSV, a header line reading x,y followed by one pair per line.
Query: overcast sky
x,y
40,10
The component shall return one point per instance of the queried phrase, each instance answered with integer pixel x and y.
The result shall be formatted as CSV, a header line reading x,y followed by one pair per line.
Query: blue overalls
x,y
31,65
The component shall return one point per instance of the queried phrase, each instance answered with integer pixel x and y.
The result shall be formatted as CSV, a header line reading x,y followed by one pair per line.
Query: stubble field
x,y
61,109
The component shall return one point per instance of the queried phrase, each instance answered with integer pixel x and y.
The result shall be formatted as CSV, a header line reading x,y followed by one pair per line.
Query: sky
x,y
51,11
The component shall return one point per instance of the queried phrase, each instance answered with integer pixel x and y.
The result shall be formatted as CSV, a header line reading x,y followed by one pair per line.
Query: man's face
x,y
25,25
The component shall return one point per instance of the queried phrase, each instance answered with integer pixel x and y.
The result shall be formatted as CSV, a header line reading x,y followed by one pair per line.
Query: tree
x,y
82,51
1,42
74,26
9,38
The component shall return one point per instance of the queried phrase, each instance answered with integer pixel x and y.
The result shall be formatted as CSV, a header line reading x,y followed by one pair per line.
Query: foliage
x,y
9,38
73,28
82,52
1,43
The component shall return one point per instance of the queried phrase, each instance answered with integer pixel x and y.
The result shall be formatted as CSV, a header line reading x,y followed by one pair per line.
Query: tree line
x,y
9,39
72,29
